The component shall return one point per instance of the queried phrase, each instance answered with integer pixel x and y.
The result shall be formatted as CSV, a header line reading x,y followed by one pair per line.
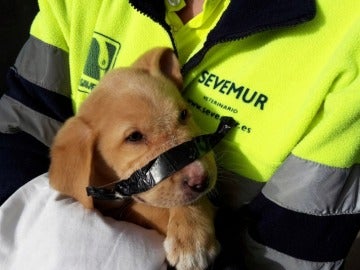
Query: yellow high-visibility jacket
x,y
287,71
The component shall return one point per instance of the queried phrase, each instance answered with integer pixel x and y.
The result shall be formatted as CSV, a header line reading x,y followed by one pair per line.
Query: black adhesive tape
x,y
164,165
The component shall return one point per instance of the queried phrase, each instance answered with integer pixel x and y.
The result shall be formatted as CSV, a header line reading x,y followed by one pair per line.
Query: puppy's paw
x,y
190,243
191,252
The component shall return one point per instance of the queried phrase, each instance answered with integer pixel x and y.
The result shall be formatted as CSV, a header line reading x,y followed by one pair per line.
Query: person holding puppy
x,y
287,71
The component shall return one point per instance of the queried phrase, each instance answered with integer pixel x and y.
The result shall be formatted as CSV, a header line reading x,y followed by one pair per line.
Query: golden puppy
x,y
131,117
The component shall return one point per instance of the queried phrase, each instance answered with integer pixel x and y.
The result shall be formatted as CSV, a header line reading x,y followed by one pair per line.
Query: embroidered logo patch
x,y
101,58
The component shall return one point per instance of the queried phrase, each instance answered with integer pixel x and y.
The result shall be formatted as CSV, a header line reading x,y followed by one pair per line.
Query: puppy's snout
x,y
196,177
197,184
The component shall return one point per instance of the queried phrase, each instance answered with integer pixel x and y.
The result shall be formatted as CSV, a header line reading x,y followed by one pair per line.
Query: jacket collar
x,y
246,17
241,19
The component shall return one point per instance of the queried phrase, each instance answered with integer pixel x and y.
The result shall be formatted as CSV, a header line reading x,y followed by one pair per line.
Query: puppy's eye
x,y
183,115
135,137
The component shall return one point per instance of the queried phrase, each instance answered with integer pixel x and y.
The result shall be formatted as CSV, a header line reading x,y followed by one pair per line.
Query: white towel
x,y
41,229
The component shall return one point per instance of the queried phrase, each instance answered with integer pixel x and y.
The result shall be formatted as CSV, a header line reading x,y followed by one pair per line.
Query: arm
x,y
36,102
307,215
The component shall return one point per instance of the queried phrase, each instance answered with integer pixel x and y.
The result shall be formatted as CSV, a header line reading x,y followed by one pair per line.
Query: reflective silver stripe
x,y
44,65
261,257
15,116
314,188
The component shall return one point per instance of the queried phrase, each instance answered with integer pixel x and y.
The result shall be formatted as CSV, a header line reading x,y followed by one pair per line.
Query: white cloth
x,y
41,229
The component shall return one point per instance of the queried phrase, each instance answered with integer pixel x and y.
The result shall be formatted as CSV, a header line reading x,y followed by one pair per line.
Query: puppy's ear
x,y
71,158
164,61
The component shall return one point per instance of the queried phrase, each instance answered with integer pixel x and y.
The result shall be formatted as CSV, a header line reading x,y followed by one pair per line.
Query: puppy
x,y
131,117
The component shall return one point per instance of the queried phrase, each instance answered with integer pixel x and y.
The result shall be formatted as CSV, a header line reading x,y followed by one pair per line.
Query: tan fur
x,y
92,149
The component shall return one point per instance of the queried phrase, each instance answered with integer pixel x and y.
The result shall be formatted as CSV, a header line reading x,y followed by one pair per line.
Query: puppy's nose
x,y
197,183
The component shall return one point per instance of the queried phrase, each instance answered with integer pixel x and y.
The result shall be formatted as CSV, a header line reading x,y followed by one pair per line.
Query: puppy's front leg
x,y
190,243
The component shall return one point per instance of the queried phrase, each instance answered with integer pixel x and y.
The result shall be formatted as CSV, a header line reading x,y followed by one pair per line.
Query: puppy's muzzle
x,y
164,165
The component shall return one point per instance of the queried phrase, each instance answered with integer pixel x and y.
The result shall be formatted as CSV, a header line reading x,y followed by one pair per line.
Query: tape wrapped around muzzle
x,y
164,165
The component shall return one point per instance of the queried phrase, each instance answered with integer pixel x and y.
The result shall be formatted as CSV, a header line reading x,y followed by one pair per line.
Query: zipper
x,y
307,13
156,19
305,10
199,56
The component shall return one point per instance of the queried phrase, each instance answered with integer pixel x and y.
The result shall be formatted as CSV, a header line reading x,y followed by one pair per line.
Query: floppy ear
x,y
161,61
71,158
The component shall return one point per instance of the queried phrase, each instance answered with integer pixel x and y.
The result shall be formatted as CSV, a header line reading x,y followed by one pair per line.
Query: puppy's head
x,y
131,117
